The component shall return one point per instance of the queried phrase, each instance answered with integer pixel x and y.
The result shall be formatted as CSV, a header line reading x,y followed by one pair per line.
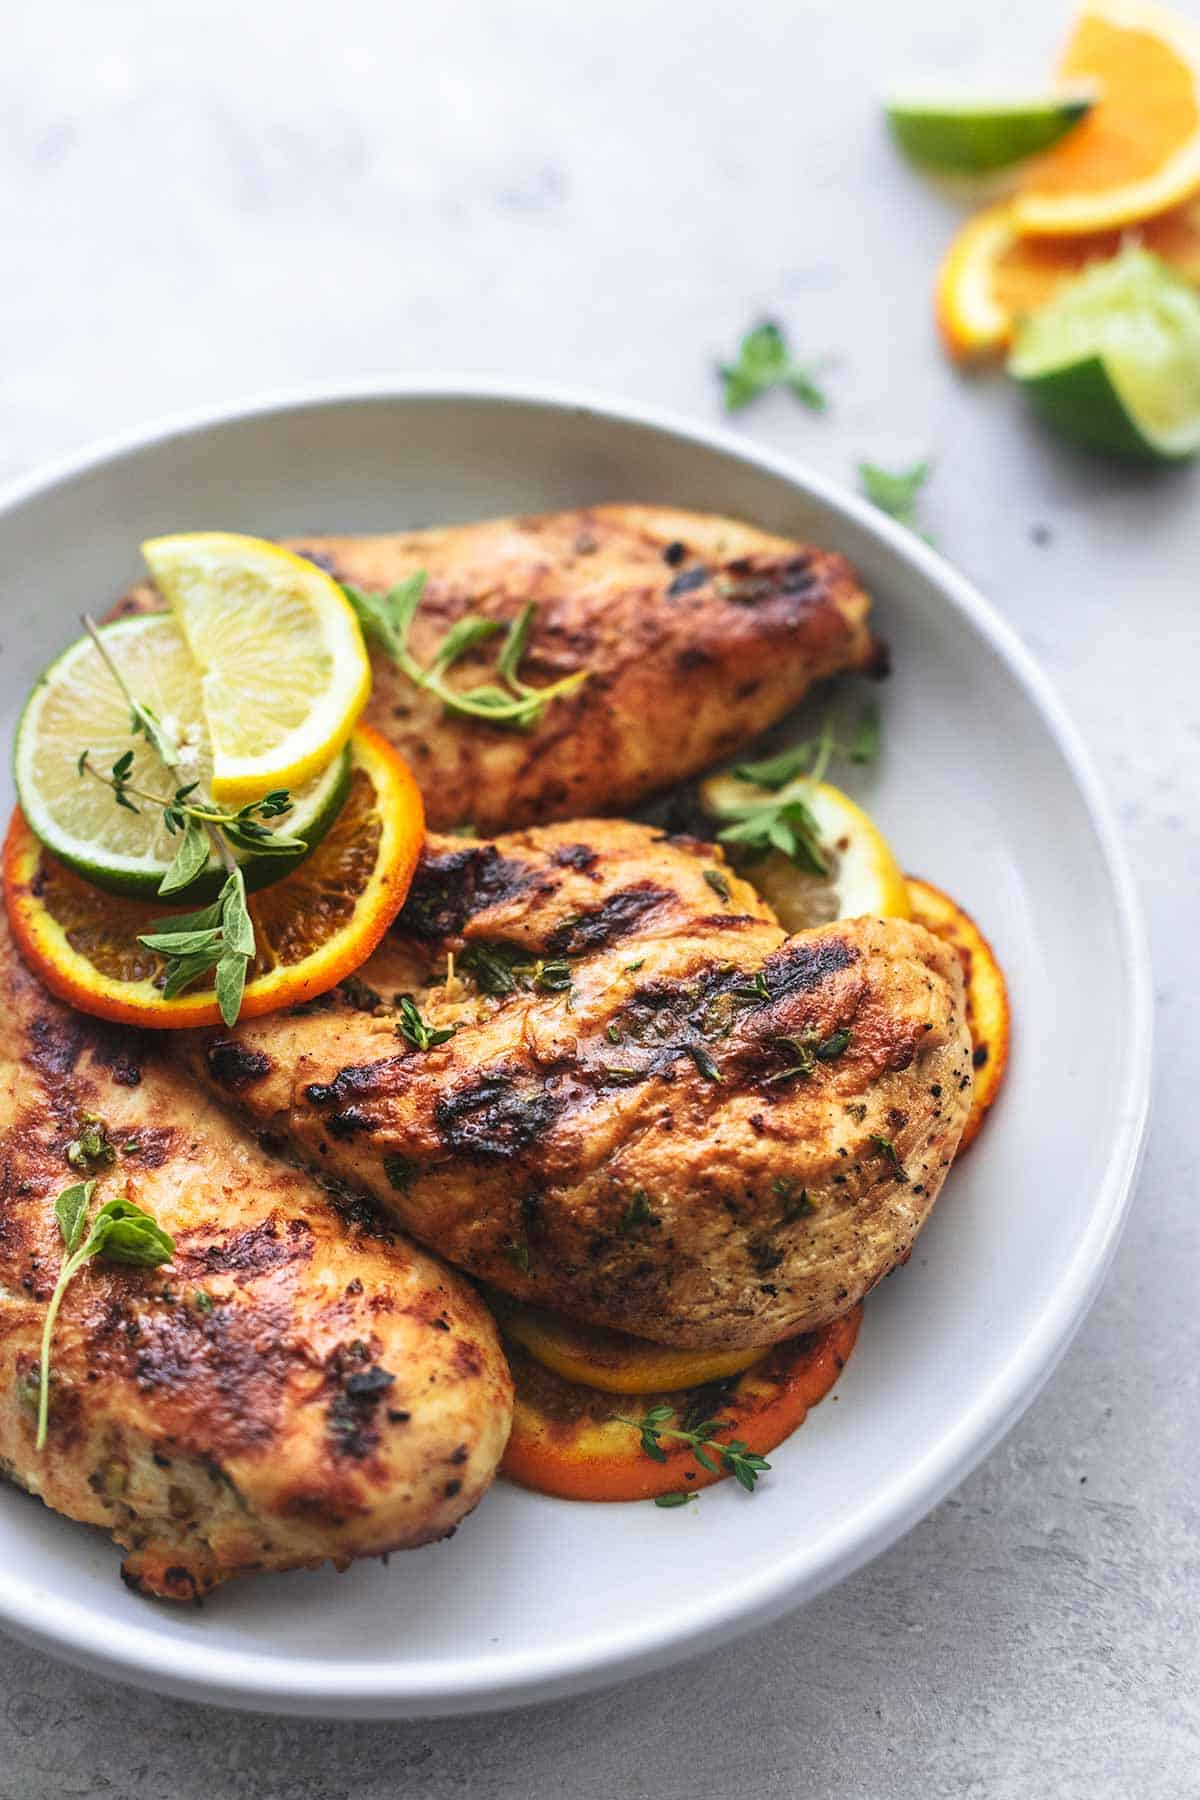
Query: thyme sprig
x,y
507,701
220,936
734,1458
413,1029
120,1232
787,824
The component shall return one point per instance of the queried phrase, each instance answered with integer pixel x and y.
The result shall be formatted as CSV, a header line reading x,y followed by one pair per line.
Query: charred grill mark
x,y
718,1021
235,1066
151,1145
800,966
574,856
56,1042
607,923
359,1081
449,888
122,1054
359,1386
255,1251
497,1115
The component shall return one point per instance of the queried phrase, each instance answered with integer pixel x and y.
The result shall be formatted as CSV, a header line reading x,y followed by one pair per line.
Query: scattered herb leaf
x,y
413,1029
764,362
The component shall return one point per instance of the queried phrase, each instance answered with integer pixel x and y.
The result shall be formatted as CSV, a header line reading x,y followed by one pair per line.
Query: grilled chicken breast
x,y
300,1383
657,1112
697,632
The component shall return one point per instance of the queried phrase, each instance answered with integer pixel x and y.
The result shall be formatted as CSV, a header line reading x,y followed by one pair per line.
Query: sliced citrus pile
x,y
77,707
861,875
311,929
284,671
992,277
987,994
1138,151
612,1360
574,1440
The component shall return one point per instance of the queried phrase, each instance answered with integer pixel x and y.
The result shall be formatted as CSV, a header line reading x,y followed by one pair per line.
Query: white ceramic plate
x,y
984,789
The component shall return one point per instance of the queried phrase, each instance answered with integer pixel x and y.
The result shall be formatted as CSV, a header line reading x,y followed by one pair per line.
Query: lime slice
x,y
862,875
1113,361
77,706
285,670
967,135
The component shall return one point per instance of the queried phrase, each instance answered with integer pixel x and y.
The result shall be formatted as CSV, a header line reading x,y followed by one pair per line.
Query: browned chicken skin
x,y
698,632
657,1125
297,1385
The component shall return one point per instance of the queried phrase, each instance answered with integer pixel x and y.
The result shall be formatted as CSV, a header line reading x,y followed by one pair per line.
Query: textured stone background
x,y
201,200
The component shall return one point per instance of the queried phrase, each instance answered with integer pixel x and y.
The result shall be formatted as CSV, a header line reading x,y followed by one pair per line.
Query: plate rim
x,y
252,1681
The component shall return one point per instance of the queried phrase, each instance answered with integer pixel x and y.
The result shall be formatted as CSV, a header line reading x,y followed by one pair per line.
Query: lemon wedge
x,y
861,873
284,672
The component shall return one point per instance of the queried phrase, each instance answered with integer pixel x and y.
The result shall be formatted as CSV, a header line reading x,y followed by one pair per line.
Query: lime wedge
x,y
967,135
1113,361
77,706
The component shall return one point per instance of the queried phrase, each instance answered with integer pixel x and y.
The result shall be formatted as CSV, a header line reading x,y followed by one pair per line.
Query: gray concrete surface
x,y
199,200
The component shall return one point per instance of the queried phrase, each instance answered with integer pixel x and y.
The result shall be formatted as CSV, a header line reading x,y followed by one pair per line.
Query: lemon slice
x,y
861,873
77,706
1113,361
284,672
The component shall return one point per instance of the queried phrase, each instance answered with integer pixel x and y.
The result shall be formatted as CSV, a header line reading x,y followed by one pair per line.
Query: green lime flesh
x,y
1112,363
966,136
76,706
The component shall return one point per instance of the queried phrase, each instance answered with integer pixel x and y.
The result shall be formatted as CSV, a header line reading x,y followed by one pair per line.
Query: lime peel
x,y
975,134
1113,361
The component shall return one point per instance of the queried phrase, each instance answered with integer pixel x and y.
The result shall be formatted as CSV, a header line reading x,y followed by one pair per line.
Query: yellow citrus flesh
x,y
284,671
611,1360
863,874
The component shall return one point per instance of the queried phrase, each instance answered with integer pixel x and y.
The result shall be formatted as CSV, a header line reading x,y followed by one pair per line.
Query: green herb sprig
x,y
220,936
788,824
413,1029
508,701
120,1232
896,492
764,362
735,1458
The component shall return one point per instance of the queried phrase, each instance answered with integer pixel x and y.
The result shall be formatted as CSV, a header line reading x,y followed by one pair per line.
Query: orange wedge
x,y
992,276
312,928
987,994
1137,153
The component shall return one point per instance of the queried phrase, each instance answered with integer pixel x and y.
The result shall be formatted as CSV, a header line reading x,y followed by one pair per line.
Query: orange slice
x,y
571,1440
1138,151
312,928
987,994
991,276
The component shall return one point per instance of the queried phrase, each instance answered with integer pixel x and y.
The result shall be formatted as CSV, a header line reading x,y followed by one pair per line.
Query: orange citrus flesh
x,y
568,1439
991,276
312,928
612,1360
1138,151
987,995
